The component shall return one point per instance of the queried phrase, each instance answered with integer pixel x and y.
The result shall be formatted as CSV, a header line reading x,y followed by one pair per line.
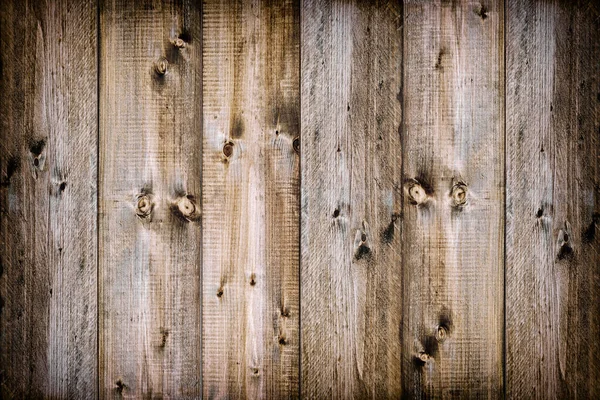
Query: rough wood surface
x,y
251,173
48,158
553,200
351,194
150,182
453,170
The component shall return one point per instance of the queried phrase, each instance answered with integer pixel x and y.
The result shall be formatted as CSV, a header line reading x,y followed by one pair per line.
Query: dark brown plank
x,y
150,182
48,164
453,171
251,173
553,199
351,194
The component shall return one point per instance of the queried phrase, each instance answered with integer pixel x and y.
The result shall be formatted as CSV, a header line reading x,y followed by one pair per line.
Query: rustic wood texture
x,y
251,173
48,178
351,199
453,169
150,182
553,200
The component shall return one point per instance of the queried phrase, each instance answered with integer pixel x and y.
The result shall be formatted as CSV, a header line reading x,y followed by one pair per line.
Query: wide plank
x,y
453,184
553,199
48,207
150,183
251,196
351,199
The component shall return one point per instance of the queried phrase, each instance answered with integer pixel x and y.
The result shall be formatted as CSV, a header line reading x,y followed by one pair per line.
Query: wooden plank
x,y
251,199
150,182
453,241
351,199
553,200
48,165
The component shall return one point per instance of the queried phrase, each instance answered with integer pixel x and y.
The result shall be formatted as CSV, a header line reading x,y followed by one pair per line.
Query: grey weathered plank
x,y
452,243
150,182
553,199
351,199
251,173
48,203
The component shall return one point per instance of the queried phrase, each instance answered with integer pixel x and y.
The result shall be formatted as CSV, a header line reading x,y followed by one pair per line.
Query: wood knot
x,y
228,149
220,292
282,340
185,207
441,333
161,66
285,312
144,206
296,145
415,192
178,42
252,279
458,194
421,358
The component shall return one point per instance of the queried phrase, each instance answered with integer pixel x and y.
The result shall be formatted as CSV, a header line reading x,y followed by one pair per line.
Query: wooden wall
x,y
299,198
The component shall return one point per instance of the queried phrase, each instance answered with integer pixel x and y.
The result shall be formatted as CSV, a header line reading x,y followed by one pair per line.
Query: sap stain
x,y
438,64
37,146
481,11
237,127
589,234
445,320
387,236
120,386
11,167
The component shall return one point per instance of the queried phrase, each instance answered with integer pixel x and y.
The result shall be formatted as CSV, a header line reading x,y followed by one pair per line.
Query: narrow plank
x,y
553,200
251,173
150,182
351,199
453,237
48,204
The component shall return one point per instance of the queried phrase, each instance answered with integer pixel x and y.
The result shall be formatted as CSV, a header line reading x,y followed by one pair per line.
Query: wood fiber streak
x,y
48,167
251,196
553,200
452,243
351,199
150,182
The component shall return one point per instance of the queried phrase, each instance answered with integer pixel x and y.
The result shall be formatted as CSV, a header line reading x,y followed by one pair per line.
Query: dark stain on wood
x,y
237,127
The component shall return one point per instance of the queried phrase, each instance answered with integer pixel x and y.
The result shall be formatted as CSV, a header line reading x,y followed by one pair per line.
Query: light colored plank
x,y
251,199
351,199
48,199
453,238
150,182
553,200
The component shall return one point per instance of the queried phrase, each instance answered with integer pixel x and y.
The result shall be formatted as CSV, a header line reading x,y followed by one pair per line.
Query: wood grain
x,y
150,182
351,193
553,200
250,194
453,170
48,162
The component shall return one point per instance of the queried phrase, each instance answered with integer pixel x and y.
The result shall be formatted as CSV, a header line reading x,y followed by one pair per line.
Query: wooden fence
x,y
300,198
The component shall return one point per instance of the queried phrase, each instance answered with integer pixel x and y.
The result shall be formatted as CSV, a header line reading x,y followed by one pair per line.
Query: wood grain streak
x,y
553,199
251,171
48,164
351,193
453,171
150,183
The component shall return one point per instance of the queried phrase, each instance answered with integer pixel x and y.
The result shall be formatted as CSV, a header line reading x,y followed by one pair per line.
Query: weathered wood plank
x,y
553,200
453,238
251,199
351,199
150,182
48,202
